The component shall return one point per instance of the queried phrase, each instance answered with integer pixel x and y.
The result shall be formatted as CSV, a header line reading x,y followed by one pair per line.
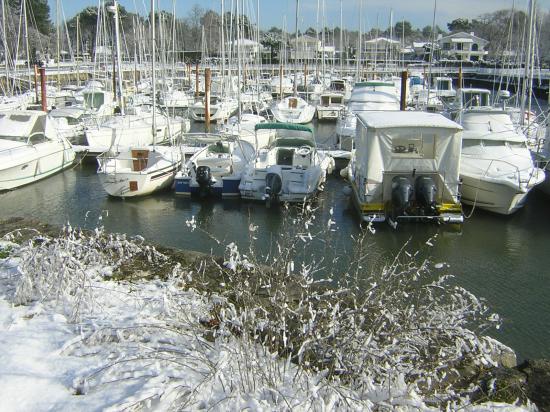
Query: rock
x,y
537,372
503,355
501,385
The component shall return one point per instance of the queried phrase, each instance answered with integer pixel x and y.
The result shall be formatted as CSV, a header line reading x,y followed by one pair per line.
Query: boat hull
x,y
493,196
36,165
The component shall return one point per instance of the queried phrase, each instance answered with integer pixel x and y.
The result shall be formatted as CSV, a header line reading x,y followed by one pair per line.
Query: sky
x,y
376,13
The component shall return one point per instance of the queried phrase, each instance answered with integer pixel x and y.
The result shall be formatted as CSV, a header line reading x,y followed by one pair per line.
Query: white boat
x,y
330,106
69,122
366,96
30,148
245,129
290,169
406,167
216,169
221,109
138,171
134,129
293,109
286,85
175,99
497,169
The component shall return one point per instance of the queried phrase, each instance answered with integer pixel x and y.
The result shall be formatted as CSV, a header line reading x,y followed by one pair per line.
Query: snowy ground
x,y
134,346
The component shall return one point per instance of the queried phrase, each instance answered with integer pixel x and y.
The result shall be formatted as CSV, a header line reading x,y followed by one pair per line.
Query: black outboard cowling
x,y
425,193
273,187
401,195
204,179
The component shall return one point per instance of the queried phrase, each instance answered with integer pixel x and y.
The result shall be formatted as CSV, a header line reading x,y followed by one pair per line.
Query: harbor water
x,y
503,259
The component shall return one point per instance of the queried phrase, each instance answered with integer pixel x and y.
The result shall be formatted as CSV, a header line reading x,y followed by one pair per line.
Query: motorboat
x,y
290,169
405,166
216,169
293,109
138,171
30,148
330,106
366,96
497,169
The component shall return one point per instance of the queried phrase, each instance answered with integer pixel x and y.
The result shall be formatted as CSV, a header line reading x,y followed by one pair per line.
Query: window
x,y
517,145
494,143
37,138
414,147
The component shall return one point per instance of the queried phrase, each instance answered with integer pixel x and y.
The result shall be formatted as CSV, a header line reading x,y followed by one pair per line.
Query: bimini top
x,y
283,126
390,119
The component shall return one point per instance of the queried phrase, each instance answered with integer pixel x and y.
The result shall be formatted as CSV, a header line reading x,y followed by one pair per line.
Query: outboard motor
x,y
204,179
273,187
401,195
426,191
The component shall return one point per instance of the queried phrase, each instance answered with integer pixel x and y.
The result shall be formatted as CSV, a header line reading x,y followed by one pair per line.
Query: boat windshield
x,y
93,100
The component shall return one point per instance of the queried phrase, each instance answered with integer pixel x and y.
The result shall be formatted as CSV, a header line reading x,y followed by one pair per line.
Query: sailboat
x,y
140,171
294,109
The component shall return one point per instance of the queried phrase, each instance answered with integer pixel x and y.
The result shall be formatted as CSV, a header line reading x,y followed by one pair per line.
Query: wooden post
x,y
403,102
207,99
36,83
197,79
43,89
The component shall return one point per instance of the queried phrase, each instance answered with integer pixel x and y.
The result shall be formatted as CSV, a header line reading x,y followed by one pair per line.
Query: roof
x,y
463,35
283,126
382,39
391,119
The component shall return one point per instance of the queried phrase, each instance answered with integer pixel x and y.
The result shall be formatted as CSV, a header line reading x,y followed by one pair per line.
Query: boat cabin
x,y
406,167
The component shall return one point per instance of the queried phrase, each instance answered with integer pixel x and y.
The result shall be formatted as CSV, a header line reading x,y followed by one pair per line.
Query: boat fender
x,y
425,193
401,194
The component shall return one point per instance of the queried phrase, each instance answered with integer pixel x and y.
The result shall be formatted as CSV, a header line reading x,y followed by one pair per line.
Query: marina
x,y
500,258
352,219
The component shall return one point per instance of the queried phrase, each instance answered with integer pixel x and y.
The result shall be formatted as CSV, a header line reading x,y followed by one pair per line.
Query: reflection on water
x,y
504,259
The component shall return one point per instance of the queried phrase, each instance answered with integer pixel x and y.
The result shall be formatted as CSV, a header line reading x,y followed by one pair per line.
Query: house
x,y
305,48
462,46
248,49
310,49
382,49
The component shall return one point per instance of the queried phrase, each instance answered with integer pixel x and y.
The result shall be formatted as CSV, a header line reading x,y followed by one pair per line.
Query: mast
x,y
153,75
239,64
5,40
341,41
24,6
118,59
223,49
77,49
296,52
58,22
528,60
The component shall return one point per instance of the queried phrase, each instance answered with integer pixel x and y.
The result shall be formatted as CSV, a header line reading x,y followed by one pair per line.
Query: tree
x,y
38,12
459,25
402,28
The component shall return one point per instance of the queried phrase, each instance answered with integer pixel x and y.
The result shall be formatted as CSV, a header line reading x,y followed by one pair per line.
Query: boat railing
x,y
517,172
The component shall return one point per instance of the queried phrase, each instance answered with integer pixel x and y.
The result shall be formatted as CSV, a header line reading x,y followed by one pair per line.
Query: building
x,y
248,49
382,49
307,47
462,46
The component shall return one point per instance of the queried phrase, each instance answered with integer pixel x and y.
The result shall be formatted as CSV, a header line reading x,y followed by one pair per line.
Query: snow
x,y
142,345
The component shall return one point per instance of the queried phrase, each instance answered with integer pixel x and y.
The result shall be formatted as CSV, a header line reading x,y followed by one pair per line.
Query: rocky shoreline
x,y
508,382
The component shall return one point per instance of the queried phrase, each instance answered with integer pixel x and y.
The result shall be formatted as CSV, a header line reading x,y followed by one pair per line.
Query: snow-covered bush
x,y
268,328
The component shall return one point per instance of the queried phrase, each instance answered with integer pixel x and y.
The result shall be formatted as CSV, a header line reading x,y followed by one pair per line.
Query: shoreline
x,y
509,379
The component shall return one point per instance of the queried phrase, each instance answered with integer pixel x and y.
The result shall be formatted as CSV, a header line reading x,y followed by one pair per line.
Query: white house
x,y
462,46
382,49
249,49
307,47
